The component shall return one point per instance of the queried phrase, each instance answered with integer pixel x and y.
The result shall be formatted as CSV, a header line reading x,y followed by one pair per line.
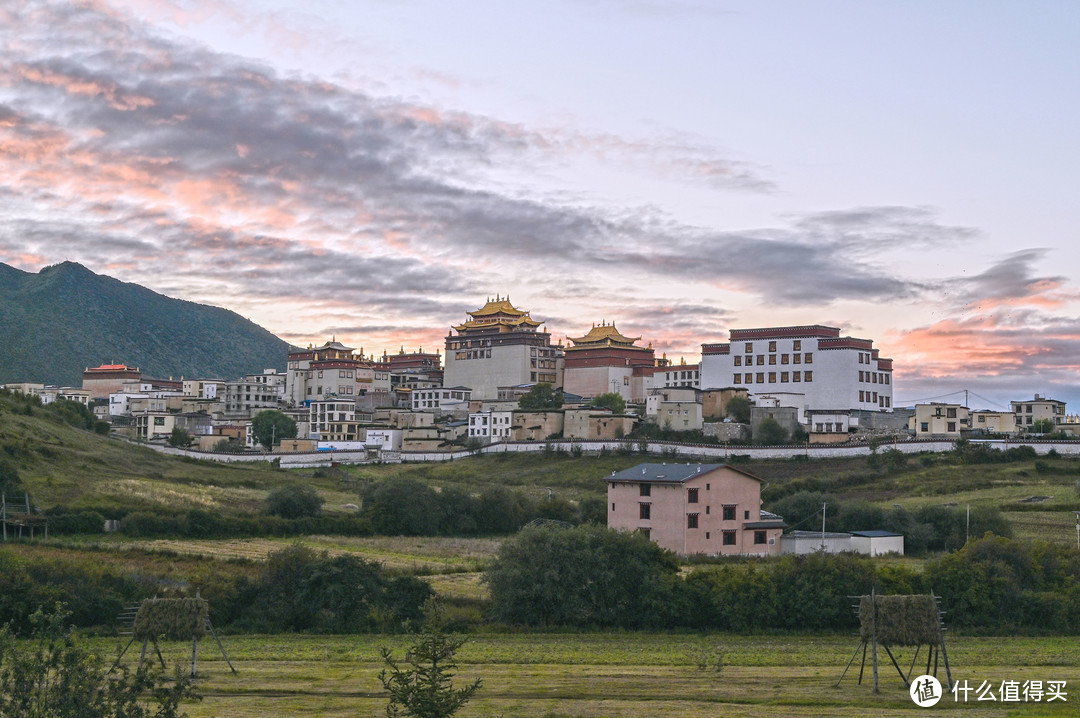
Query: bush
x,y
587,576
294,501
301,590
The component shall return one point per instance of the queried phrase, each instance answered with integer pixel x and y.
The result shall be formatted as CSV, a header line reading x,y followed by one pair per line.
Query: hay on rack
x,y
172,619
901,620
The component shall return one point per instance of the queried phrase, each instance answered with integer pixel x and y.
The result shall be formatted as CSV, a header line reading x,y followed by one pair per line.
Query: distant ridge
x,y
65,318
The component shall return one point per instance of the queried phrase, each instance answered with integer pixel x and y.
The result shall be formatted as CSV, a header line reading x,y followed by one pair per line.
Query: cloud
x,y
1011,283
994,353
223,177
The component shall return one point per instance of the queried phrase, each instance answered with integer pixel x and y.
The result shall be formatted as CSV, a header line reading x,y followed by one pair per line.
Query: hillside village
x,y
810,384
502,381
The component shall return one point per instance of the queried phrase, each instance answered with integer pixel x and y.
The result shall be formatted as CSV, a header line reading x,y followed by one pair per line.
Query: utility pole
x,y
823,505
1077,529
967,528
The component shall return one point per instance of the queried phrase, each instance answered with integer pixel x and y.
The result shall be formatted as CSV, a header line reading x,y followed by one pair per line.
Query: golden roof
x,y
498,322
604,334
499,305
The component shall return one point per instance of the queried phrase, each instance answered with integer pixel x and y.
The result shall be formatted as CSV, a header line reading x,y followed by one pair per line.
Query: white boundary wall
x,y
707,452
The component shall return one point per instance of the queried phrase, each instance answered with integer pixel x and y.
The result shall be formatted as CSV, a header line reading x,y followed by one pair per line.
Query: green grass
x,y
613,674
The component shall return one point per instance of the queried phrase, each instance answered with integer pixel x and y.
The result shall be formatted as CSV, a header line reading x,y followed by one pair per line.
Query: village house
x,y
708,509
939,420
1029,412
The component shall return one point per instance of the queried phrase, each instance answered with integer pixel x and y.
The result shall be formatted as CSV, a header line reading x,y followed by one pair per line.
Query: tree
x,y
771,433
587,576
55,674
402,507
422,687
1043,426
611,400
541,396
180,438
294,502
738,409
271,426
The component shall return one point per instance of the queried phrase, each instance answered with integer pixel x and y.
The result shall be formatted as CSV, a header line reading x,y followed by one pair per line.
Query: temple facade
x,y
500,345
604,361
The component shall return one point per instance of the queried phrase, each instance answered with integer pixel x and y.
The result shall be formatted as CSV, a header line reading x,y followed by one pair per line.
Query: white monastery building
x,y
812,366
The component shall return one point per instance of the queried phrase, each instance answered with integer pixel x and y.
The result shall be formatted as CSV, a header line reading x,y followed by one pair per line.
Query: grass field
x,y
618,674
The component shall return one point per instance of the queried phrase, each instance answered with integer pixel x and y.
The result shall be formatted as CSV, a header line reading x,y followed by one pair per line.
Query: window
x,y
796,376
706,487
772,359
783,377
759,538
924,427
796,345
691,521
691,496
886,378
706,535
772,346
644,511
761,360
808,358
783,358
951,413
159,421
746,515
646,489
748,378
981,418
729,512
861,397
873,377
951,426
761,377
749,348
796,358
860,359
808,376
738,378
738,361
729,538
772,377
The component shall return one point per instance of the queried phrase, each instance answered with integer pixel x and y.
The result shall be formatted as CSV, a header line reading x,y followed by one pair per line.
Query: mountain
x,y
65,318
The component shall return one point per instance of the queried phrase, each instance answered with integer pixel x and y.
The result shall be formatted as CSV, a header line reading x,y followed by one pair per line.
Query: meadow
x,y
570,675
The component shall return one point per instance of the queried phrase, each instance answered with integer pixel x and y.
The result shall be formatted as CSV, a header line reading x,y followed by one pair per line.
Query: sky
x,y
371,170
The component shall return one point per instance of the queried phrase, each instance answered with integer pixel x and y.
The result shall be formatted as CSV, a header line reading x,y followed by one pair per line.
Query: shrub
x,y
294,501
587,576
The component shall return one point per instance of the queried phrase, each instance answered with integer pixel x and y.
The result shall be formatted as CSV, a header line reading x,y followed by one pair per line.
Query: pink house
x,y
694,508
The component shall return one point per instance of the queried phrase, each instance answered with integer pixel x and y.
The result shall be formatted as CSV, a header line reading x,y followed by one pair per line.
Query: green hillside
x,y
65,318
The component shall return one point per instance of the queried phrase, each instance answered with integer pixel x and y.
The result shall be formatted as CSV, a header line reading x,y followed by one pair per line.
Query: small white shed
x,y
813,541
876,543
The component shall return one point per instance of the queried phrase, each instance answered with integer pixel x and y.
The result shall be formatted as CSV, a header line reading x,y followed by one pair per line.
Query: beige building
x,y
536,425
708,509
939,420
1028,412
590,423
993,422
679,415
714,401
